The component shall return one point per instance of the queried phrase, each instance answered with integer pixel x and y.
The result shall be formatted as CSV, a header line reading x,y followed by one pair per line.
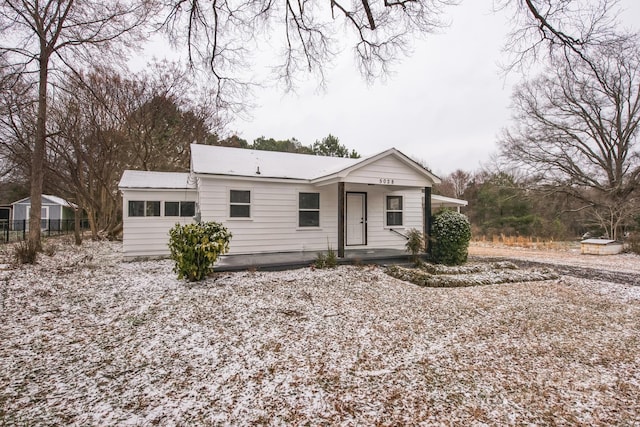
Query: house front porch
x,y
291,260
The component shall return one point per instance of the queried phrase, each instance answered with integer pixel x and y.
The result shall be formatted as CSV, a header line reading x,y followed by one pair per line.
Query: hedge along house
x,y
284,202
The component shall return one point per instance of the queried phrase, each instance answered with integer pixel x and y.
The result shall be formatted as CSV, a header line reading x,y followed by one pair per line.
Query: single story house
x,y
282,202
56,214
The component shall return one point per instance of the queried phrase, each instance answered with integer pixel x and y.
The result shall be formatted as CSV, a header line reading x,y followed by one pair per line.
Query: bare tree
x,y
18,113
39,38
576,131
460,180
559,30
106,123
167,111
222,35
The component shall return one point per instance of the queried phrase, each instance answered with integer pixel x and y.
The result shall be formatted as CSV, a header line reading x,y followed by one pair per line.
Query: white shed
x,y
287,202
600,247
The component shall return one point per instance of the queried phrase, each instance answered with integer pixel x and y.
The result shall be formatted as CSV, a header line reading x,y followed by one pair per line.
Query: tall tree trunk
x,y
92,223
37,160
77,224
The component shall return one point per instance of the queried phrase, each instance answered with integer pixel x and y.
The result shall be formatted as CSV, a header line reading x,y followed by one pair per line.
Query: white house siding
x,y
388,170
273,226
149,236
379,236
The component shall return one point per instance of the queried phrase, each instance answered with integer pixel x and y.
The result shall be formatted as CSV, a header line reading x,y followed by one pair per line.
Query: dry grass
x,y
523,242
87,340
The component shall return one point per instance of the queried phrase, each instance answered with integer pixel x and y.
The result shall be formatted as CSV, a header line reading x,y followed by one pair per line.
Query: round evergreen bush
x,y
196,247
450,236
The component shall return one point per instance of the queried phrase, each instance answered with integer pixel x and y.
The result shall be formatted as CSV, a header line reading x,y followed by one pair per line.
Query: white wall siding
x,y
389,170
379,236
273,226
148,236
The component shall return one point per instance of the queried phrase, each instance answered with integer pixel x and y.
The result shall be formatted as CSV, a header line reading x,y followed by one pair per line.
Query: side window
x,y
171,208
187,208
144,208
240,204
309,210
394,211
152,208
136,207
183,209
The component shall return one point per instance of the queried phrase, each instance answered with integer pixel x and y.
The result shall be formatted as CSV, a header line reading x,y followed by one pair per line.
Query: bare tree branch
x,y
579,134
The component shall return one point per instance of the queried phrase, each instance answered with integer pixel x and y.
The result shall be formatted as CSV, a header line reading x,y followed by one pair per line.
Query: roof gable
x,y
240,162
389,167
47,199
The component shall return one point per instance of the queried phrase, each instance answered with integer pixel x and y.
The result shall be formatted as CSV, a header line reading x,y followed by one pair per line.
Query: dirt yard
x,y
89,340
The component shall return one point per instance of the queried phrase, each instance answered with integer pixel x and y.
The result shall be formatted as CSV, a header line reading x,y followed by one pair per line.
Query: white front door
x,y
356,219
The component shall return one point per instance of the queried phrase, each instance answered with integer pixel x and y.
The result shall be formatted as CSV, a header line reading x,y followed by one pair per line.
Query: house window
x,y
152,208
144,208
240,204
394,211
309,209
184,209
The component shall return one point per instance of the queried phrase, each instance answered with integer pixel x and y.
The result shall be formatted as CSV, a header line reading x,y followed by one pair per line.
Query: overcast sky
x,y
445,104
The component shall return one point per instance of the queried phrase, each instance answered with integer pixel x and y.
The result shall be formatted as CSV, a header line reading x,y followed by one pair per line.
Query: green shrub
x,y
321,260
330,260
415,243
450,234
196,247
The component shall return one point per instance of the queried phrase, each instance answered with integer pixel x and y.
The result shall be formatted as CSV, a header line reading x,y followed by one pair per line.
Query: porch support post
x,y
427,219
341,210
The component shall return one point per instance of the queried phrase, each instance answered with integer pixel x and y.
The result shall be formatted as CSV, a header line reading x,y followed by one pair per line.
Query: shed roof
x,y
600,241
158,180
241,162
52,200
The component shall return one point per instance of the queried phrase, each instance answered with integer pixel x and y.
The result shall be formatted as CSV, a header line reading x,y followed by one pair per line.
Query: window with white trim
x,y
309,209
144,208
394,211
183,209
240,204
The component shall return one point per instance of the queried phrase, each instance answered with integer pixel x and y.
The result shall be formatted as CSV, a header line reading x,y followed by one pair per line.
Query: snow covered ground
x,y
86,339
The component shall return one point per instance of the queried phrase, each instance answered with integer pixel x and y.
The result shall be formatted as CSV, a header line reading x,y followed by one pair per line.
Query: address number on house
x,y
386,181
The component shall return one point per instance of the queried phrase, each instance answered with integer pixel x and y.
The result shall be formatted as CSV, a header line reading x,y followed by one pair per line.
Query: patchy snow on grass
x,y
90,340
